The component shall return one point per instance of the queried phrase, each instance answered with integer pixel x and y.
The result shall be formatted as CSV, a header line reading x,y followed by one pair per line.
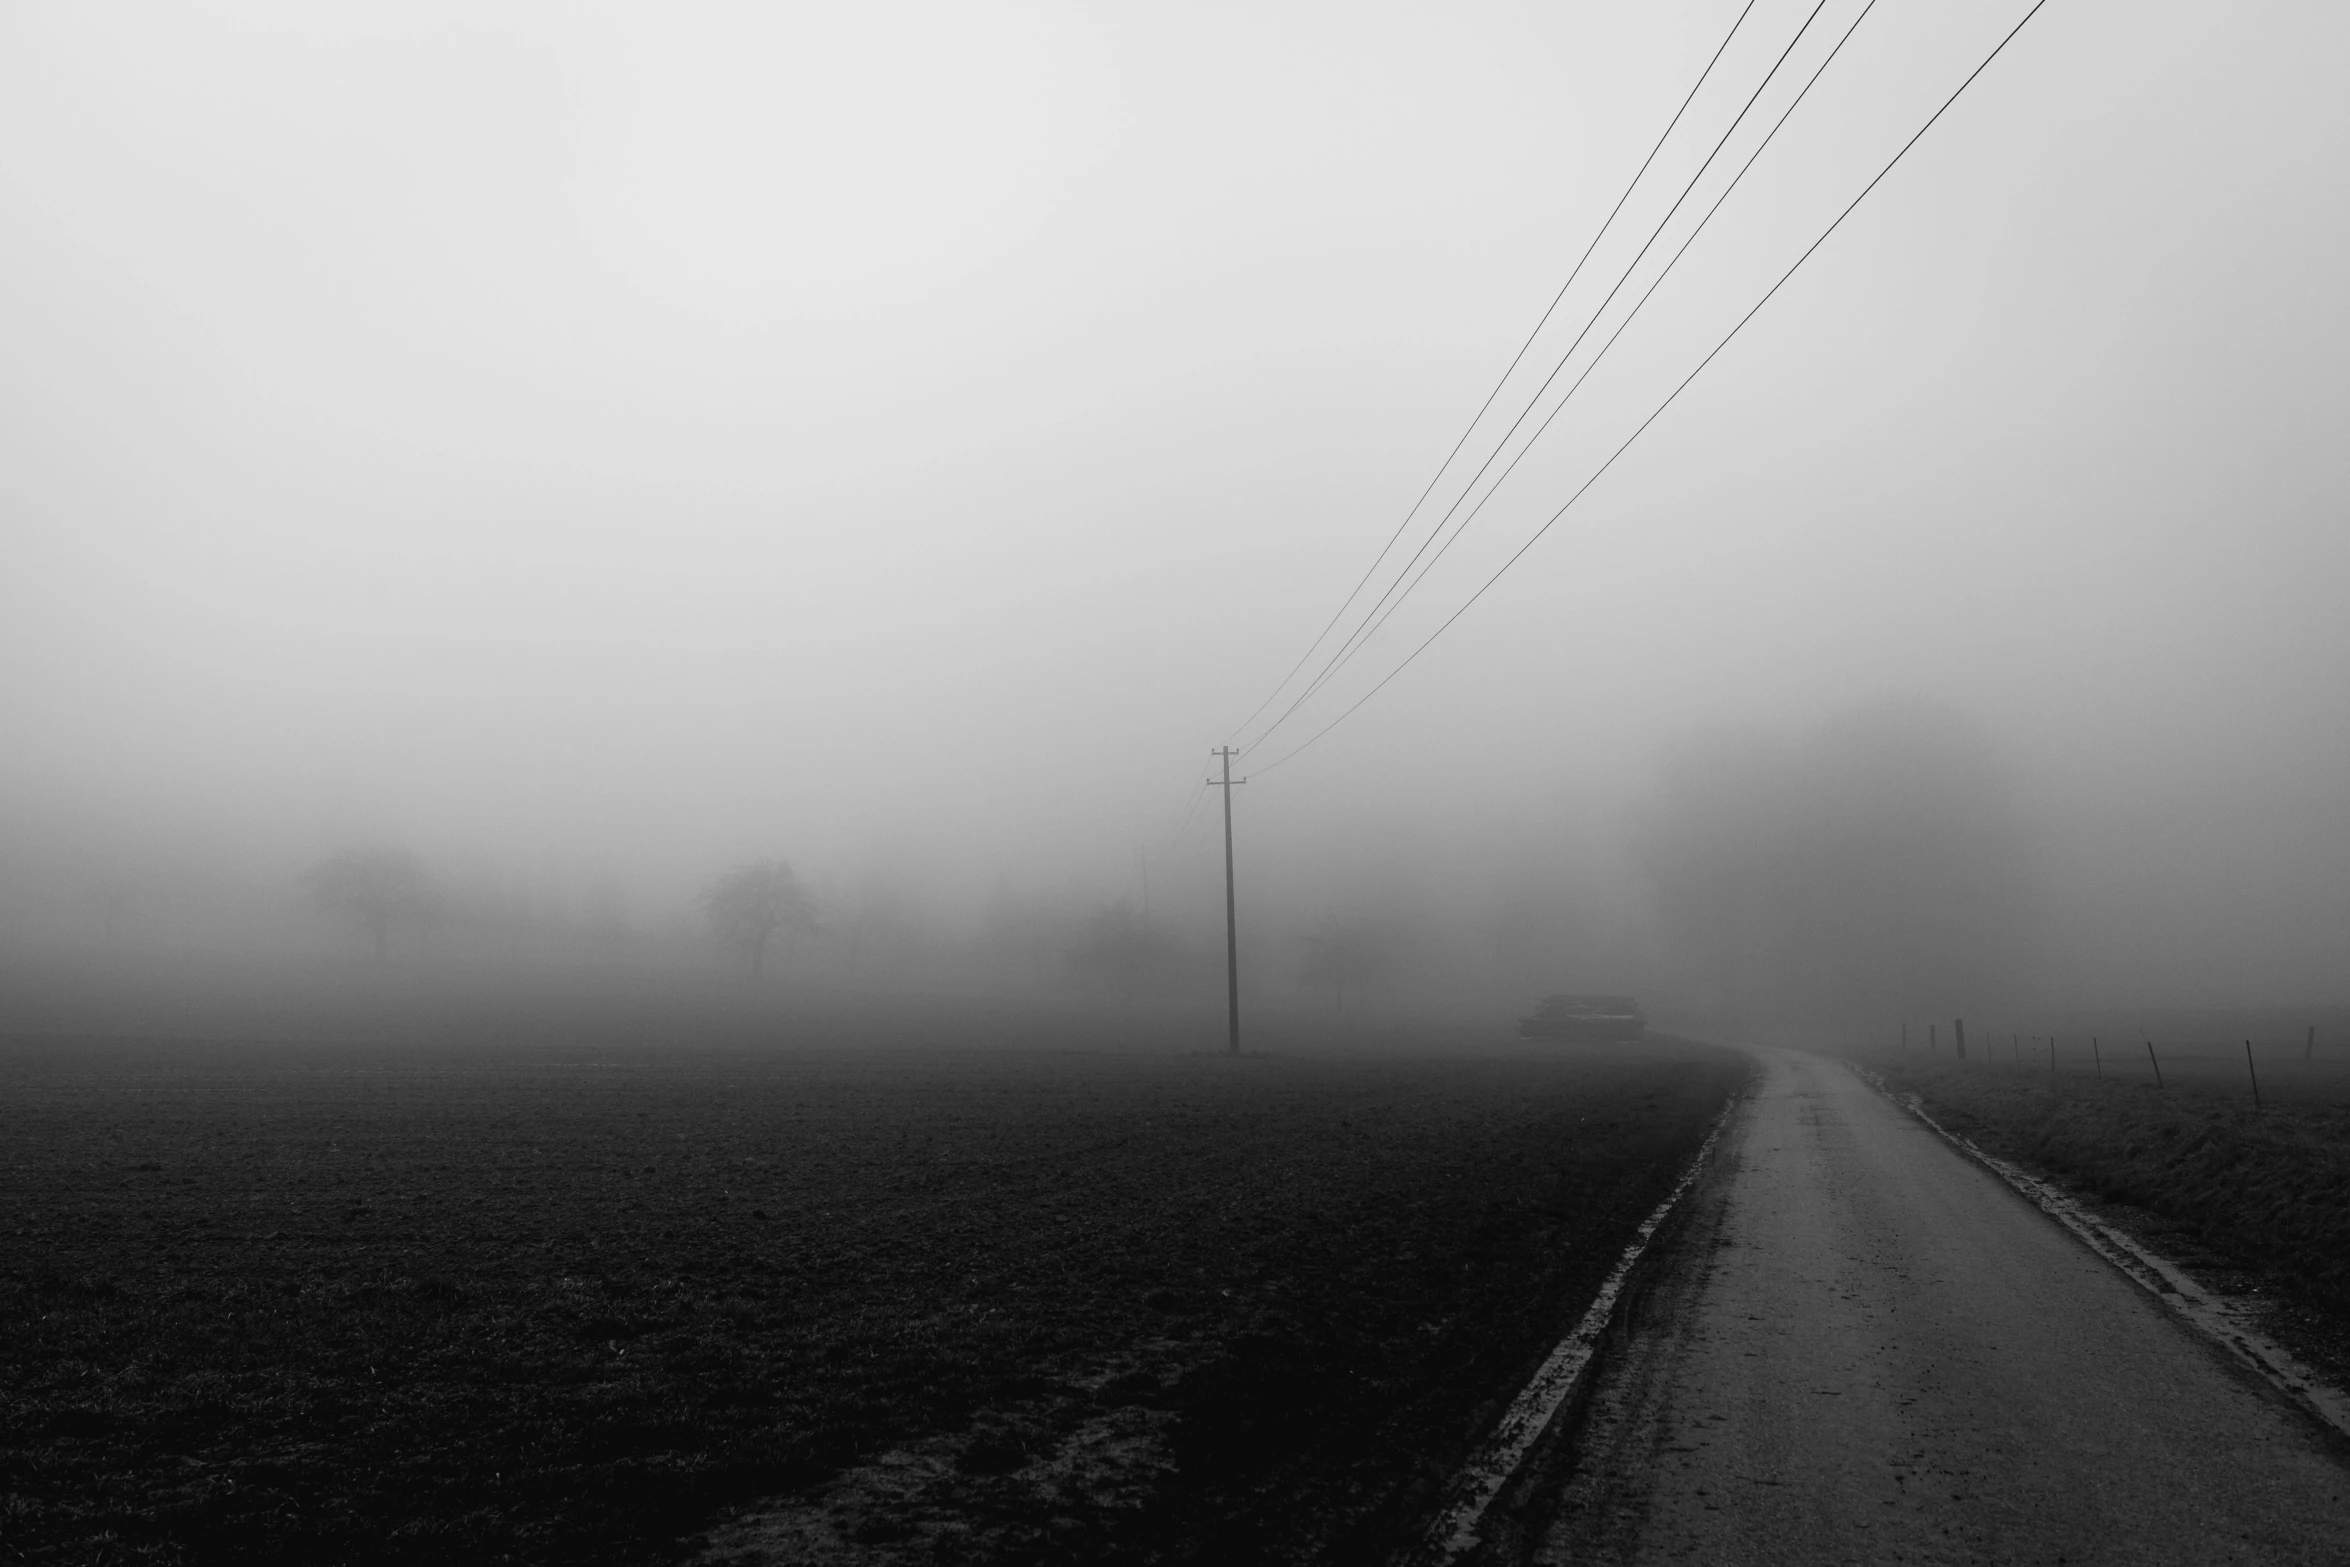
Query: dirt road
x,y
1868,1349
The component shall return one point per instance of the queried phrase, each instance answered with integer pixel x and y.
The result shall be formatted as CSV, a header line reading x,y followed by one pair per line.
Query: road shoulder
x,y
1586,1491
1866,1347
2244,1312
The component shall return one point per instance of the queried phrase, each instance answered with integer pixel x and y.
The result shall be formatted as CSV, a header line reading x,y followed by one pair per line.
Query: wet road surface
x,y
1869,1349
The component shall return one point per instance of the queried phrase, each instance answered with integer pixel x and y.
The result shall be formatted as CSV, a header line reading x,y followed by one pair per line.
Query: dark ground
x,y
283,1302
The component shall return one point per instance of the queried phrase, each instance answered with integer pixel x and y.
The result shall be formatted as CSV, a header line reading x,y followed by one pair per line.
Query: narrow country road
x,y
1867,1349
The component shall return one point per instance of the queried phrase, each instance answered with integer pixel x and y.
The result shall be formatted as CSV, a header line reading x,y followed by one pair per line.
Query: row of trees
x,y
388,897
387,893
1123,953
1875,866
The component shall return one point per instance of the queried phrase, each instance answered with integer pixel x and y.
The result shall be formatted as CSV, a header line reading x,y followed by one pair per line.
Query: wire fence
x,y
2257,1069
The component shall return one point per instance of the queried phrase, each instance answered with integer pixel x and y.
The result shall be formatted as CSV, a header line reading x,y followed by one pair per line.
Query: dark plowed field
x,y
307,1304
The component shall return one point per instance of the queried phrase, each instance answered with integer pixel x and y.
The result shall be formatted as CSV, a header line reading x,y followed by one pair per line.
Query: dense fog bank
x,y
470,482
1885,864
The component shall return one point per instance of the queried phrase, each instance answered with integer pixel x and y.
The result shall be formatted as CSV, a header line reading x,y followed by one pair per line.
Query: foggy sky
x,y
906,438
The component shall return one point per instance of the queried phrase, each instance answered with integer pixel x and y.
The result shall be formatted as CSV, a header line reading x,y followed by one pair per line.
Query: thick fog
x,y
545,458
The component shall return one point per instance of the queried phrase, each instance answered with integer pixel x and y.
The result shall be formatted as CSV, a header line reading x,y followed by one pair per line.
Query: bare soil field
x,y
547,1303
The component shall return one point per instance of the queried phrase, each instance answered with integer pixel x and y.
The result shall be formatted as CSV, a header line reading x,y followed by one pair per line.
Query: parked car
x,y
1585,1018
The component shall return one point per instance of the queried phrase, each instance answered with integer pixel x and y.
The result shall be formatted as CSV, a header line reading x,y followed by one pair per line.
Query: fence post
x,y
2255,1071
1960,1025
2150,1055
2051,1055
2096,1055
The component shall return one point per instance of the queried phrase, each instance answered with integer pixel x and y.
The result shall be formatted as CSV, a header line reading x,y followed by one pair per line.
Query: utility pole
x,y
1231,909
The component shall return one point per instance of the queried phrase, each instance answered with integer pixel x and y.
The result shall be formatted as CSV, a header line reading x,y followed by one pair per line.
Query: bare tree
x,y
1117,949
375,889
1344,952
749,904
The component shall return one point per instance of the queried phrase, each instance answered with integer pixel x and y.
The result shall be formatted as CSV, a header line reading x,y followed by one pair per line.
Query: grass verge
x,y
2266,1189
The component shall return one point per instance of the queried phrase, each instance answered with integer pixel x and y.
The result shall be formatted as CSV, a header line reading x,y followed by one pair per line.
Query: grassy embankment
x,y
2268,1189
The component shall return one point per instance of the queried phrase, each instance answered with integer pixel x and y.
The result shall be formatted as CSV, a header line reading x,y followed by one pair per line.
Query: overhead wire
x,y
1535,401
1515,360
1629,316
1199,792
1671,397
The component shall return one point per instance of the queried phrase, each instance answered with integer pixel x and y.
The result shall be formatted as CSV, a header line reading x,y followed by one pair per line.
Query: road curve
x,y
1868,1349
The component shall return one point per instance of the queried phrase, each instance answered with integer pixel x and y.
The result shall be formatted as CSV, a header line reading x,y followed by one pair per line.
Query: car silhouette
x,y
1584,1018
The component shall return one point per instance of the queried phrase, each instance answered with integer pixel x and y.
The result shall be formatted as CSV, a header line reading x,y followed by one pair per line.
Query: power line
x,y
1360,631
1199,792
1674,394
1931,121
1366,627
1384,549
1373,626
1646,294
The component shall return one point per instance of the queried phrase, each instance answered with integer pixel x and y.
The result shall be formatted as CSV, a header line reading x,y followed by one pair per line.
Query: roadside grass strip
x,y
2212,1315
1562,1375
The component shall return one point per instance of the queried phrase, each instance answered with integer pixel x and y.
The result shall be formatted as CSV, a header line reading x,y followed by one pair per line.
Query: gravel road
x,y
1868,1349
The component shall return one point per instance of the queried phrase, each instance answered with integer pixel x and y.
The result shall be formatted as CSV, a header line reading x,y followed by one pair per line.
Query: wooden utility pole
x,y
1231,908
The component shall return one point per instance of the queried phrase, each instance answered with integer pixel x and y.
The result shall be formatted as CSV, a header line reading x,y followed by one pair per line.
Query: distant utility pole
x,y
1231,909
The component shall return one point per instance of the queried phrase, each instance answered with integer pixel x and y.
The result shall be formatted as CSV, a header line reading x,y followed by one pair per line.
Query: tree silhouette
x,y
749,904
1342,953
1875,866
374,889
1117,949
